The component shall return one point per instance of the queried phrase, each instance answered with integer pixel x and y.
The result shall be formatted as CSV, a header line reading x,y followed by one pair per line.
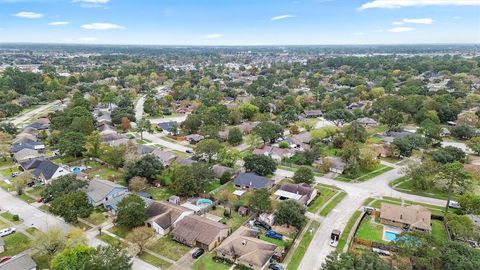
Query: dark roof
x,y
19,262
252,180
47,168
301,189
20,146
168,126
39,126
32,164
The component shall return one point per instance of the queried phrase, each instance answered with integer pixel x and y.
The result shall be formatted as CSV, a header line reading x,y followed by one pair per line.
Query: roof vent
x,y
244,242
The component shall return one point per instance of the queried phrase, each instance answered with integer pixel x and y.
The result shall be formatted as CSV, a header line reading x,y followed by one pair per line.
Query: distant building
x,y
313,113
168,127
47,171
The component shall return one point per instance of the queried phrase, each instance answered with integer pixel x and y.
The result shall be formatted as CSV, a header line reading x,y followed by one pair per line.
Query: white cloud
x,y
281,17
419,21
359,34
60,23
398,23
28,15
401,29
102,26
210,36
417,3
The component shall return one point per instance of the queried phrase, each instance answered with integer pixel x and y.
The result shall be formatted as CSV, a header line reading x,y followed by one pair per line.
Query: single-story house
x,y
112,204
100,191
301,193
144,149
162,216
31,164
367,121
168,127
194,138
244,247
165,157
413,217
24,138
47,171
252,181
201,232
274,152
305,137
313,113
39,126
388,137
19,262
26,154
28,145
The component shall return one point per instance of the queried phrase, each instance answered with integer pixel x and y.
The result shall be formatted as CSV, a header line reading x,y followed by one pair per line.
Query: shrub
x,y
242,267
15,218
223,260
225,178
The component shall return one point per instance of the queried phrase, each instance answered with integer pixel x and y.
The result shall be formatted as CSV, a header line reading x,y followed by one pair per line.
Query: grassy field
x,y
149,258
105,173
406,186
343,238
169,248
32,230
369,230
326,210
15,243
159,193
119,231
325,195
366,175
206,262
212,186
111,240
302,246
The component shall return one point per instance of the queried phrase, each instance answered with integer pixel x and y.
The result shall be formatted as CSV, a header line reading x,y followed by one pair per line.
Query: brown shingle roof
x,y
416,216
164,213
194,228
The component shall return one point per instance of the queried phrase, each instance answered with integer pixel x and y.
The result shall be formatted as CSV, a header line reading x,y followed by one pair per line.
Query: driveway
x,y
139,108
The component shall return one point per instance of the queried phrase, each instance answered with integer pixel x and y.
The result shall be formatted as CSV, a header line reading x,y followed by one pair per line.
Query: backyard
x,y
371,230
234,222
206,262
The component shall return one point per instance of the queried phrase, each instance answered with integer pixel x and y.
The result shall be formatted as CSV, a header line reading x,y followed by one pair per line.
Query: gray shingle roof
x,y
47,168
252,180
98,189
19,262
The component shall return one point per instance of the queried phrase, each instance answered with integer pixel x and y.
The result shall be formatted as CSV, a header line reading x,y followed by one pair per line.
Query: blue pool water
x,y
76,170
390,236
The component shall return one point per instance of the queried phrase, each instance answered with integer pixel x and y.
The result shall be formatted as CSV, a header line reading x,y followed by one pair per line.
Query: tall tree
x,y
260,164
290,213
453,178
131,211
304,174
260,201
392,118
93,145
268,131
144,125
206,149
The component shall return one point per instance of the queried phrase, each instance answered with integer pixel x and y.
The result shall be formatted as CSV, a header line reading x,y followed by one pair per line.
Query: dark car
x,y
189,151
273,234
262,224
275,266
198,253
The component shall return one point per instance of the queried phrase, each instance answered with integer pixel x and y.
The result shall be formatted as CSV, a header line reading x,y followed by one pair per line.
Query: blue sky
x,y
240,22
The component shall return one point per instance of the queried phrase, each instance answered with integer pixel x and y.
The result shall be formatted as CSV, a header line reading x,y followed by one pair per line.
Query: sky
x,y
240,22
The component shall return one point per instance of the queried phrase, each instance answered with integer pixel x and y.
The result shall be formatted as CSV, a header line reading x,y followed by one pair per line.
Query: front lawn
x,y
24,197
112,241
303,246
9,216
149,258
96,218
6,186
206,262
325,194
15,243
365,174
406,186
169,248
370,230
326,210
119,231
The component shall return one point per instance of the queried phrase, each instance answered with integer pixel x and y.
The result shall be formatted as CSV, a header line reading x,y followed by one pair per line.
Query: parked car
x,y
197,253
381,251
275,266
454,205
4,259
334,237
273,234
15,174
7,231
189,151
262,224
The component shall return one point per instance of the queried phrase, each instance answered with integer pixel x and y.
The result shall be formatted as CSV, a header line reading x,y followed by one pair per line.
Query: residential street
x,y
24,117
156,139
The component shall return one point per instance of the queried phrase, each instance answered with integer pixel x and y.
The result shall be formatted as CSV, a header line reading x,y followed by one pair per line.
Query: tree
x,y
107,258
71,206
470,203
268,131
147,166
452,178
355,132
431,131
82,125
8,128
407,144
420,248
125,123
392,118
357,261
474,144
462,132
93,145
49,242
184,182
260,164
228,156
235,136
192,123
137,184
290,213
461,227
144,125
62,185
248,110
339,116
206,149
72,144
350,154
422,174
140,237
21,181
114,155
457,255
448,154
72,258
260,201
304,174
131,211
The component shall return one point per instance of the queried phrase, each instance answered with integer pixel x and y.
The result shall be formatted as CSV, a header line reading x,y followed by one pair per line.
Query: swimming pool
x,y
390,236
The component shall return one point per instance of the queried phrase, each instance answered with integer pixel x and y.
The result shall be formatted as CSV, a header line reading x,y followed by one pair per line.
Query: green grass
x,y
212,186
112,241
42,261
330,152
36,192
149,258
83,225
326,210
370,231
303,246
9,217
8,171
106,173
206,262
277,242
32,230
119,231
3,224
15,243
368,201
7,162
343,238
159,193
96,218
169,248
325,194
375,139
234,222
406,186
365,175
24,197
44,208
438,231
6,186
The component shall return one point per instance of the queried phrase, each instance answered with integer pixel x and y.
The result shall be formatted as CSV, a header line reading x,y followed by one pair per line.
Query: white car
x,y
7,231
454,205
333,242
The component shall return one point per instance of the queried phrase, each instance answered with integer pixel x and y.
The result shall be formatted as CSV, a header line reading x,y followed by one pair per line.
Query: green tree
x,y
260,201
72,144
72,258
350,154
453,178
235,136
192,123
470,203
144,125
339,116
357,261
260,164
21,181
420,248
290,213
206,149
71,206
459,256
147,166
462,132
184,183
93,145
407,144
355,132
49,242
448,154
82,125
131,211
107,258
304,174
62,185
474,144
461,227
431,131
228,156
392,118
114,155
248,110
268,131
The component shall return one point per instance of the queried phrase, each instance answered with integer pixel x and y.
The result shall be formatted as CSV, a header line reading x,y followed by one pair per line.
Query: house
x,y
165,157
413,217
24,138
26,154
47,171
247,127
219,170
168,127
305,137
19,262
162,216
366,121
184,110
392,135
274,152
31,164
313,113
252,181
194,138
301,193
39,126
245,247
144,149
112,204
100,191
39,146
201,232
